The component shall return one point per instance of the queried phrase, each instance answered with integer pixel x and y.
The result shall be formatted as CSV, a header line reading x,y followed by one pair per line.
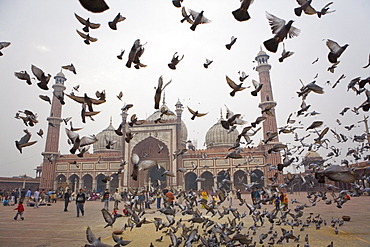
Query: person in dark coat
x,y
67,199
80,202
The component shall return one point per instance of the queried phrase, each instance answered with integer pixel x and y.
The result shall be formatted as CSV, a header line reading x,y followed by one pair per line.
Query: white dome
x,y
100,145
217,136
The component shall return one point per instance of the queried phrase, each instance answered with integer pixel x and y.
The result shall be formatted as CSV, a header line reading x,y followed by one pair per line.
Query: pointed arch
x,y
257,176
208,183
240,177
190,181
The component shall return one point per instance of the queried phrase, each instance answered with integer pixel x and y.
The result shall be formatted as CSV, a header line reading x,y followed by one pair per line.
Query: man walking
x,y
117,198
67,199
28,195
36,197
106,199
80,201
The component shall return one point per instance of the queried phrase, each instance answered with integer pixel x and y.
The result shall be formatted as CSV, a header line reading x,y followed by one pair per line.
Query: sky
x,y
43,33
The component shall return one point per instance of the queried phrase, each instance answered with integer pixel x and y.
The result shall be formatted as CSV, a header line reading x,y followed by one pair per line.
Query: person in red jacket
x,y
20,209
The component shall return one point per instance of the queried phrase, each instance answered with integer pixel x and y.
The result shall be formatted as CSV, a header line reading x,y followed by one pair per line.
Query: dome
x,y
100,145
312,154
156,115
261,53
217,136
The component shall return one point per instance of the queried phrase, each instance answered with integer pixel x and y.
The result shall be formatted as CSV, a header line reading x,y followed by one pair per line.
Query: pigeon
x,y
337,82
118,18
46,98
234,86
108,218
325,10
232,42
40,75
174,61
257,87
87,23
23,75
315,124
196,113
3,45
368,63
109,142
70,68
305,6
86,37
242,14
121,54
87,100
95,6
186,16
281,31
158,91
120,95
207,63
335,50
24,141
336,173
333,67
242,76
285,54
198,19
40,133
177,3
119,241
136,51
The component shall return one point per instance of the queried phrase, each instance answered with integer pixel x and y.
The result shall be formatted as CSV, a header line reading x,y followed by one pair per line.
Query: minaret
x,y
263,69
179,144
52,138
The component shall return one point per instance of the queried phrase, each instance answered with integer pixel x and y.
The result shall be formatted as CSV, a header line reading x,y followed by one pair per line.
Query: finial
x,y
220,112
110,121
164,97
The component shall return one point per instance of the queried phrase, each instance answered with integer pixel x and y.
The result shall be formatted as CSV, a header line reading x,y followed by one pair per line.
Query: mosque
x,y
59,171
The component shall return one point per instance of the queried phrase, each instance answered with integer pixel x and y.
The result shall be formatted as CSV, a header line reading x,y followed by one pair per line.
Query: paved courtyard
x,y
51,226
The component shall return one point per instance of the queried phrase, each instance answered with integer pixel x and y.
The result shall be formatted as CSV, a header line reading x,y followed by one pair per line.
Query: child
x,y
20,209
125,211
115,215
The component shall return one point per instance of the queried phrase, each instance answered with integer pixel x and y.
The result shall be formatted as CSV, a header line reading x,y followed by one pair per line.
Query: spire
x,y
110,121
164,97
221,113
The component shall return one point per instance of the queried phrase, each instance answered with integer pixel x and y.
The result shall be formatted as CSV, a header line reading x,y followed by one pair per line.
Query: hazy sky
x,y
43,33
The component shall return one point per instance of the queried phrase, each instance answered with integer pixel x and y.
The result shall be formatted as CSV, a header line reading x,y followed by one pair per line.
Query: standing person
x,y
124,195
253,195
285,202
80,201
257,194
281,198
20,211
28,195
117,198
170,198
277,203
159,197
239,195
106,199
36,197
23,195
67,199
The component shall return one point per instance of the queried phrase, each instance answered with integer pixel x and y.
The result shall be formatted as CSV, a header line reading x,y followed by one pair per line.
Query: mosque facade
x,y
158,141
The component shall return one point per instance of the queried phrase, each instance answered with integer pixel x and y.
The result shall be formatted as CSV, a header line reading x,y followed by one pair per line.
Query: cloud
x,y
42,48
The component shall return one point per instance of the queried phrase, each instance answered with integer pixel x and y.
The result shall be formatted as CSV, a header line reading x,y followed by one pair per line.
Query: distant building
x,y
59,171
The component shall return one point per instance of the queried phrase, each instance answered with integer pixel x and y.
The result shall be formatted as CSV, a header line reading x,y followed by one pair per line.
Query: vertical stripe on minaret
x,y
179,110
51,152
263,69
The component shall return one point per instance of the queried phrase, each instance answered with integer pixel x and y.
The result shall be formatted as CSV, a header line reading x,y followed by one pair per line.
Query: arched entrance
x,y
114,183
156,178
87,182
100,185
208,183
190,181
240,177
221,176
74,179
257,177
61,184
148,149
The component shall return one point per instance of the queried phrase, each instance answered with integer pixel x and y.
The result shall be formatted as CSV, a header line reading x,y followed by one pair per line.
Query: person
x,y
205,197
117,198
20,211
49,193
239,195
80,201
106,199
124,195
170,198
281,198
253,195
277,203
36,197
28,195
23,194
67,199
285,202
115,214
159,197
258,197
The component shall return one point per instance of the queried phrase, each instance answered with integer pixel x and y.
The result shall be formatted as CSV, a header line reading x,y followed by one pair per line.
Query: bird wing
x,y
107,216
95,6
135,159
4,44
80,19
22,76
332,45
275,22
231,83
37,72
191,111
201,114
72,135
81,34
90,235
166,85
146,164
88,140
115,237
255,83
293,32
185,14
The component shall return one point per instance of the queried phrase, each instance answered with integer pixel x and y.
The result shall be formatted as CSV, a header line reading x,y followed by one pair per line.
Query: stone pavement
x,y
50,226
